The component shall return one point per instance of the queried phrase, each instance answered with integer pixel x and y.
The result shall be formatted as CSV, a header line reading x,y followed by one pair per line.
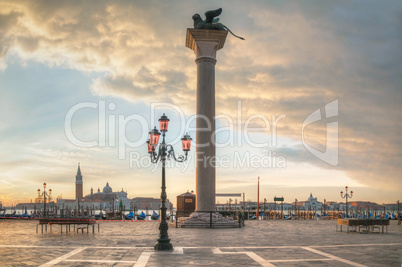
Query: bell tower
x,y
78,184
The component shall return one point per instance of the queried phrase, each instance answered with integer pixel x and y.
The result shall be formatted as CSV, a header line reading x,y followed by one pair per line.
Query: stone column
x,y
205,43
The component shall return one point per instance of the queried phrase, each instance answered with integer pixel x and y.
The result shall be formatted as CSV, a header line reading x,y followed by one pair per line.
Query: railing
x,y
236,219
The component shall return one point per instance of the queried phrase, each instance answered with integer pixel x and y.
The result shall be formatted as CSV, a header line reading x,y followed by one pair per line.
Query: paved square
x,y
259,243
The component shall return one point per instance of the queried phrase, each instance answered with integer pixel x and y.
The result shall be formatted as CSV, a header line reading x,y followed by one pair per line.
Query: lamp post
x,y
116,201
44,194
121,209
165,151
347,196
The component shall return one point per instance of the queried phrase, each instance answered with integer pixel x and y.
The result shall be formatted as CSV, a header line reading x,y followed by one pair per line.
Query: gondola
x,y
10,215
142,216
24,215
100,216
130,216
154,216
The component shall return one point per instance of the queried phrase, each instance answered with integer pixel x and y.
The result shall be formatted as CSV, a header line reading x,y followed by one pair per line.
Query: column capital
x,y
205,43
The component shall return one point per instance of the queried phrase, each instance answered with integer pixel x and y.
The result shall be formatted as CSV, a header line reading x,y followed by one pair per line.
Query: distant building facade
x,y
143,203
312,204
366,205
108,196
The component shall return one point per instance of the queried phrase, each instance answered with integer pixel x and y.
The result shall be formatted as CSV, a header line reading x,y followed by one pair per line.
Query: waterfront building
x,y
106,199
36,206
312,204
108,196
331,205
365,205
70,204
149,203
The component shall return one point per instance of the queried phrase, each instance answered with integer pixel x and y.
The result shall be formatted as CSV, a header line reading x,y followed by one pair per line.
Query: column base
x,y
207,220
163,246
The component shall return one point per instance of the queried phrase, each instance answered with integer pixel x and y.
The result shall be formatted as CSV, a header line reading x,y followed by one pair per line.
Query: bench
x,y
82,229
363,225
67,222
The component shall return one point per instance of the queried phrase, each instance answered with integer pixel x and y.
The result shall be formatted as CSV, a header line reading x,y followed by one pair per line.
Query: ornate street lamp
x,y
165,151
347,196
44,194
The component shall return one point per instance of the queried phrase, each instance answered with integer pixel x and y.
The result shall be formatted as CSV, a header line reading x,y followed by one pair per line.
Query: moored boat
x,y
100,216
142,216
154,216
130,216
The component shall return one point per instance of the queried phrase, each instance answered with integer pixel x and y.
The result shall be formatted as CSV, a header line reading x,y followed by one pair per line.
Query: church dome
x,y
312,199
107,189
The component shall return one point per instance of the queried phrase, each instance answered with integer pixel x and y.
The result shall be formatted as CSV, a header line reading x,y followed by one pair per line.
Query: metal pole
x,y
44,197
163,240
244,203
264,209
258,200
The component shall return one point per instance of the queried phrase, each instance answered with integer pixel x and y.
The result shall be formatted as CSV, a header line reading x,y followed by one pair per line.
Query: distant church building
x,y
78,185
312,203
107,195
106,199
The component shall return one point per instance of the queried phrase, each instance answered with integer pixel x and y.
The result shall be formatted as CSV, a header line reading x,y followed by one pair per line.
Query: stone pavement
x,y
259,243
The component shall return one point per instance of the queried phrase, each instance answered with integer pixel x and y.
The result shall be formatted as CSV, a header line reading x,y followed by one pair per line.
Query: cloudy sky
x,y
102,72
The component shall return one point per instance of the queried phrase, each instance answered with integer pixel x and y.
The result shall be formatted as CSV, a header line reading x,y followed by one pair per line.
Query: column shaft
x,y
205,154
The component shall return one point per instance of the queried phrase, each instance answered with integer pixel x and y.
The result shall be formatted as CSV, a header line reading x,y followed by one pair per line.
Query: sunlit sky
x,y
130,57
